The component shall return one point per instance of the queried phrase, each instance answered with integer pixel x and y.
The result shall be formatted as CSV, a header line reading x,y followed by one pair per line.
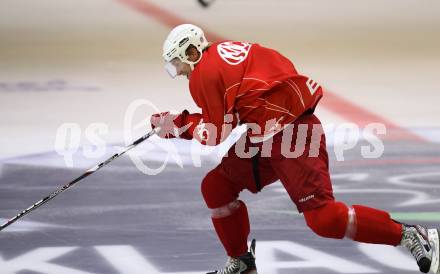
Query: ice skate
x,y
433,237
416,240
245,264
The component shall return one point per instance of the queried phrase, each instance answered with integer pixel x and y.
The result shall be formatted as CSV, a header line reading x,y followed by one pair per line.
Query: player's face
x,y
177,67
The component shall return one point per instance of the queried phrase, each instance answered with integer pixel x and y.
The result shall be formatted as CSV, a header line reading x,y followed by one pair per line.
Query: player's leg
x,y
231,222
220,189
359,223
229,215
307,181
370,225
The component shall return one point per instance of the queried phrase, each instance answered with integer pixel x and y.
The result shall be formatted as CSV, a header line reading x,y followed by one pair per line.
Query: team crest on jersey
x,y
233,53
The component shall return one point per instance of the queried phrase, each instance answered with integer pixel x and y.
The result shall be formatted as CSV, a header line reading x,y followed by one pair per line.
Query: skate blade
x,y
433,236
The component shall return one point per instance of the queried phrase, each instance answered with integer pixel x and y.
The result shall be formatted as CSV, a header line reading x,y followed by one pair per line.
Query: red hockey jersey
x,y
240,82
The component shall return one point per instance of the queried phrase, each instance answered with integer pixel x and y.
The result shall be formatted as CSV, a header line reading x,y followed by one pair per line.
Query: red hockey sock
x,y
376,227
233,231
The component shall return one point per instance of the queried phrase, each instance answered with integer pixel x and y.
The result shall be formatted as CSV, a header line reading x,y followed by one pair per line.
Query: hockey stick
x,y
84,175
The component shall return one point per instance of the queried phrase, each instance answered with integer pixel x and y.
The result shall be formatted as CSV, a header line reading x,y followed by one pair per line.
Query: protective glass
x,y
174,66
171,69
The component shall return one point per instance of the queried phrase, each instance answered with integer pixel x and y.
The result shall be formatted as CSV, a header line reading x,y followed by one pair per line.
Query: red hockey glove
x,y
171,125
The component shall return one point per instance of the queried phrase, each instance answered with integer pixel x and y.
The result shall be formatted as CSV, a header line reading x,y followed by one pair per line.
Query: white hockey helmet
x,y
178,41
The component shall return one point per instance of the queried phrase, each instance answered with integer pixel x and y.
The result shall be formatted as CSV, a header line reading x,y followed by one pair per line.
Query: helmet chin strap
x,y
192,64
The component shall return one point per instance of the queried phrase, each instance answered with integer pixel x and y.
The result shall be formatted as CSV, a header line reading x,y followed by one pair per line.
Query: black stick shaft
x,y
71,183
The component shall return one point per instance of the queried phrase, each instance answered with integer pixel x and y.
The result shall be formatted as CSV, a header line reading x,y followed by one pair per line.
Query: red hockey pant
x,y
306,180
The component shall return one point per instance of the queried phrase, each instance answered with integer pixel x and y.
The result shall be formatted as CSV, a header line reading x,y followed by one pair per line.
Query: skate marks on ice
x,y
57,85
28,226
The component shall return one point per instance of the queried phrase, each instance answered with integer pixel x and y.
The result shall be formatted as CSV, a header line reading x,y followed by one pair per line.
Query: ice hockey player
x,y
245,83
